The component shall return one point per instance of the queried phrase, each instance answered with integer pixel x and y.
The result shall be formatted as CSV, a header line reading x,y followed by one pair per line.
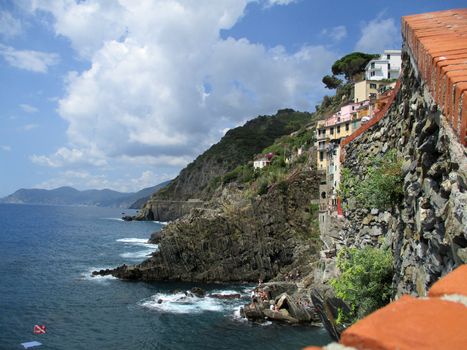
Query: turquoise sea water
x,y
46,256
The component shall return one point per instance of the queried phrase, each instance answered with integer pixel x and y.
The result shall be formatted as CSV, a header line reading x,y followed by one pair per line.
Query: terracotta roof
x,y
438,43
436,322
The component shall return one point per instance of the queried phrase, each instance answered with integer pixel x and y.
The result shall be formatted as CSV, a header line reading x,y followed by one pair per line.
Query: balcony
x,y
321,137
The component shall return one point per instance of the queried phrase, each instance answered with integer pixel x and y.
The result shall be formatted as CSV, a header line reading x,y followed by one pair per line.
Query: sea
x,y
47,254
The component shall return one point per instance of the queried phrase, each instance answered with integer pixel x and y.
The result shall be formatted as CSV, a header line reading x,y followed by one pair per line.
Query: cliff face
x,y
239,238
197,182
427,231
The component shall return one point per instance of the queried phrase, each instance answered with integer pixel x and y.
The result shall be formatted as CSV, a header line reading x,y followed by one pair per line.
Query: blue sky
x,y
123,94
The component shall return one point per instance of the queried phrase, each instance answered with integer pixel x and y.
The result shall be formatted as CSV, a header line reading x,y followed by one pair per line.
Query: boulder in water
x,y
199,292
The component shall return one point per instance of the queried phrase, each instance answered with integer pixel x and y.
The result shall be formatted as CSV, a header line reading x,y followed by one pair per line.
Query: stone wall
x,y
428,230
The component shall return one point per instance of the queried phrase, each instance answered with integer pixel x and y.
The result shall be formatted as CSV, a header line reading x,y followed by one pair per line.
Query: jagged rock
x,y
327,306
240,240
253,311
296,309
281,315
199,292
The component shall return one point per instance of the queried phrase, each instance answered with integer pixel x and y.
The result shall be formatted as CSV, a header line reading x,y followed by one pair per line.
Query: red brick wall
x,y
438,42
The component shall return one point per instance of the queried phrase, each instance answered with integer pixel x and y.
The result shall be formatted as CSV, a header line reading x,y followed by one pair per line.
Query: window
x,y
372,74
388,57
338,129
372,65
347,127
321,156
372,86
331,131
389,66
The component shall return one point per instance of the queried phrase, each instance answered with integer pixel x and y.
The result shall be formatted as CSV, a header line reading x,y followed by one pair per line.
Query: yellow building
x,y
338,126
370,89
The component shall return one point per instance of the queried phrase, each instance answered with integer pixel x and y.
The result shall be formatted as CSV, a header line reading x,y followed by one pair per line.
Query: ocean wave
x,y
237,316
162,222
181,303
133,240
140,242
242,293
141,254
116,219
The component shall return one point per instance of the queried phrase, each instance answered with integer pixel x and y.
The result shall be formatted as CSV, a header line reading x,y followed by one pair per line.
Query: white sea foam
x,y
141,254
116,219
265,324
162,222
180,303
224,292
140,242
237,316
133,240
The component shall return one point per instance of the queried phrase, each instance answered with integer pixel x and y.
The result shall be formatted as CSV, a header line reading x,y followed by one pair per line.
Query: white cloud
x,y
28,127
28,108
5,148
162,81
35,61
9,26
336,33
280,2
70,156
378,35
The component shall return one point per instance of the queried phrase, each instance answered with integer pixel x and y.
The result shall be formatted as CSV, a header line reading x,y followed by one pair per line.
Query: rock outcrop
x,y
239,238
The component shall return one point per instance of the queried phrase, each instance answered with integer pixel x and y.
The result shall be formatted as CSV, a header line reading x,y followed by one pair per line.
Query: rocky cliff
x,y
239,238
197,182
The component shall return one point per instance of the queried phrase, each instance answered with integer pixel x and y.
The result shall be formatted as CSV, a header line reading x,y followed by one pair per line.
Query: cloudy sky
x,y
122,94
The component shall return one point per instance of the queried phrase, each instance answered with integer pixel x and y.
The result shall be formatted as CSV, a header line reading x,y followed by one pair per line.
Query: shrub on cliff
x,y
381,187
364,282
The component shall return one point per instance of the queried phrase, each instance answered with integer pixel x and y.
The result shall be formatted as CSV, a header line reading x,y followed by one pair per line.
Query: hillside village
x,y
371,90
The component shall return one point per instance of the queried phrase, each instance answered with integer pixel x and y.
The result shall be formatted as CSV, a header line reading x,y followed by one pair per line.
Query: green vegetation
x,y
219,164
381,187
278,170
364,282
331,82
352,64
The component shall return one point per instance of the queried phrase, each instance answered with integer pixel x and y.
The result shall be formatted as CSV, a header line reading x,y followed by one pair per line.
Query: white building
x,y
261,163
388,66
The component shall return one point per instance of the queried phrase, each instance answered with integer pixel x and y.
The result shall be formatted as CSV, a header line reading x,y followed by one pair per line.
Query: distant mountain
x,y
136,200
71,196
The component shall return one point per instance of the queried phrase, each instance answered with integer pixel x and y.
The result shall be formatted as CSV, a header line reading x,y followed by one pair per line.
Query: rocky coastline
x,y
238,238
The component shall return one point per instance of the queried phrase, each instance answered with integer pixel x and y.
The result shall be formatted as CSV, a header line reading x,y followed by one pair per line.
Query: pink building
x,y
345,114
